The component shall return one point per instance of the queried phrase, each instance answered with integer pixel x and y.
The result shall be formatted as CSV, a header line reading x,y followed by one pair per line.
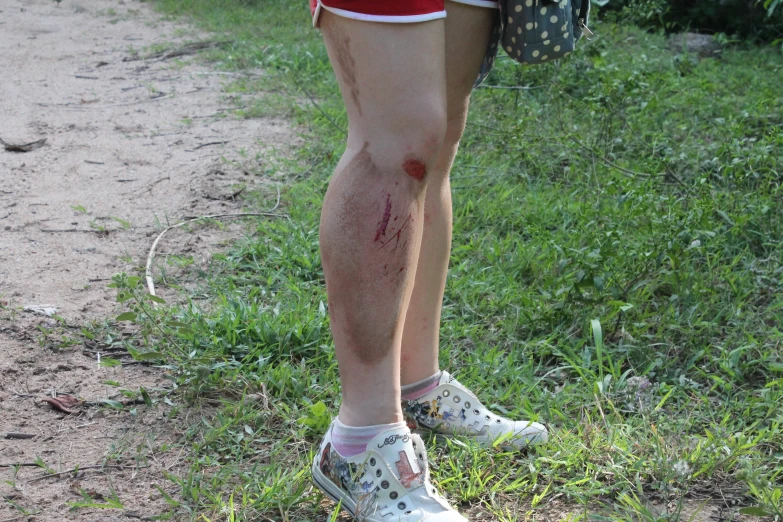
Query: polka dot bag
x,y
539,31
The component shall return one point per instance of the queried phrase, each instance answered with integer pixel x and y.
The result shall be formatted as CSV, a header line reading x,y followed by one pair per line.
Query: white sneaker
x,y
388,482
452,409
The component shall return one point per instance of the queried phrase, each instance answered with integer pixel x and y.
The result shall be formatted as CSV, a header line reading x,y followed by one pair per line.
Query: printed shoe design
x,y
388,482
452,409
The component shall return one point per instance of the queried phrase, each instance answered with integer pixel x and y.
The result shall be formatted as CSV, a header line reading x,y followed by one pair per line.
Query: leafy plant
x,y
111,502
744,19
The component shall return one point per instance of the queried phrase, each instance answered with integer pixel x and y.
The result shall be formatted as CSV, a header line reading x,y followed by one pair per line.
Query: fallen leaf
x,y
63,403
43,309
24,147
69,400
56,404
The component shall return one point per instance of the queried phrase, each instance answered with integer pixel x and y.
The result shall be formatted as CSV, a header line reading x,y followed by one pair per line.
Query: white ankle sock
x,y
352,440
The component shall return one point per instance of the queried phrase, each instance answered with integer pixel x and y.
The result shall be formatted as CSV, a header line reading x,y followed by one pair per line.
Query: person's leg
x,y
393,81
435,400
468,29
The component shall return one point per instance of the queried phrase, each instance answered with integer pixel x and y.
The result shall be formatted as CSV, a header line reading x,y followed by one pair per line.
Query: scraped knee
x,y
407,146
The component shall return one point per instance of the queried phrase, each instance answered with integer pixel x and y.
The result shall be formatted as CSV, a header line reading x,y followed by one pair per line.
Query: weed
x,y
93,500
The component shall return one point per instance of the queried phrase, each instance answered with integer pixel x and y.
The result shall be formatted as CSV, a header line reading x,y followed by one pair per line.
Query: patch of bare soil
x,y
131,145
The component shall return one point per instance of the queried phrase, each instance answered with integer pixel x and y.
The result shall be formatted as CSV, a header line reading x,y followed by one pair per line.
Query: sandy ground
x,y
130,144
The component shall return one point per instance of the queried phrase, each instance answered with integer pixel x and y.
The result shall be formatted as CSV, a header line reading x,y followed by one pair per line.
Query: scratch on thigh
x,y
347,64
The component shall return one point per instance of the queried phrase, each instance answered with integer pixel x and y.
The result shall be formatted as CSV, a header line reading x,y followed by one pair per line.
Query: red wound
x,y
415,169
385,220
396,236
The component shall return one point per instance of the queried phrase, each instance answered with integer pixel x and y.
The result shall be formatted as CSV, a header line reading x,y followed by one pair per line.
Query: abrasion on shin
x,y
368,235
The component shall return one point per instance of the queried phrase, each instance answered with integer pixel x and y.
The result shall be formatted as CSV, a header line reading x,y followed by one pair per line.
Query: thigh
x,y
468,30
392,75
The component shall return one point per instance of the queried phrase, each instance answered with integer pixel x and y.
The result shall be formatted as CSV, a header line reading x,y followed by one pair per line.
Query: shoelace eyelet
x,y
401,506
476,412
385,484
456,398
378,473
393,495
467,404
446,393
372,461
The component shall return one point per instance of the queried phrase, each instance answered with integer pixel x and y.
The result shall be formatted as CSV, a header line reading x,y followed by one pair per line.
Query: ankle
x,y
367,415
414,371
420,388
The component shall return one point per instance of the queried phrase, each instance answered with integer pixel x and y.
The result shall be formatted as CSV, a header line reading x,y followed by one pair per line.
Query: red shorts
x,y
390,11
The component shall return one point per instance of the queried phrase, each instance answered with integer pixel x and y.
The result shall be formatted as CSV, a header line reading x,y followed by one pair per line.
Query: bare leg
x,y
468,30
393,83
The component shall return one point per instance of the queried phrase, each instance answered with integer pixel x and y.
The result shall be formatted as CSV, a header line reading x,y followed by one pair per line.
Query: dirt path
x,y
130,144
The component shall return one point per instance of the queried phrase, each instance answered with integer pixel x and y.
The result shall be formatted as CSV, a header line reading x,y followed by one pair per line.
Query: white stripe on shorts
x,y
479,3
378,18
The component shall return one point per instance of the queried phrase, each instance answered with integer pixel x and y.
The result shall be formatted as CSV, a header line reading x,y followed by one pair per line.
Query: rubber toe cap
x,y
446,516
528,433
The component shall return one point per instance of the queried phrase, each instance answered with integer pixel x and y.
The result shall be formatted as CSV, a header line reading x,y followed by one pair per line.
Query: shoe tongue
x,y
447,378
396,448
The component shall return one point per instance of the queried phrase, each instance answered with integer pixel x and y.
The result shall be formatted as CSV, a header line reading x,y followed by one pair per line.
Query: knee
x,y
427,134
409,146
422,142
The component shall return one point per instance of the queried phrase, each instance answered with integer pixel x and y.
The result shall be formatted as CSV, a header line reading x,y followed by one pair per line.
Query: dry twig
x,y
77,469
19,436
208,144
151,255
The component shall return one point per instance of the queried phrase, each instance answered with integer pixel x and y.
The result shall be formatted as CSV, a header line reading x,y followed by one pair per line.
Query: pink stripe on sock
x,y
347,449
420,392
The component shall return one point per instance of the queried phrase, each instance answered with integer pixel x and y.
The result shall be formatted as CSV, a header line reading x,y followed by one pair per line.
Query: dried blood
x,y
381,231
415,169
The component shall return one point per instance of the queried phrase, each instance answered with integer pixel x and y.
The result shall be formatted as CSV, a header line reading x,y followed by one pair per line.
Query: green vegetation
x,y
617,273
742,20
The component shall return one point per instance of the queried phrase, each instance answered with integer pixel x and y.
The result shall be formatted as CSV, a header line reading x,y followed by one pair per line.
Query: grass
x,y
617,273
